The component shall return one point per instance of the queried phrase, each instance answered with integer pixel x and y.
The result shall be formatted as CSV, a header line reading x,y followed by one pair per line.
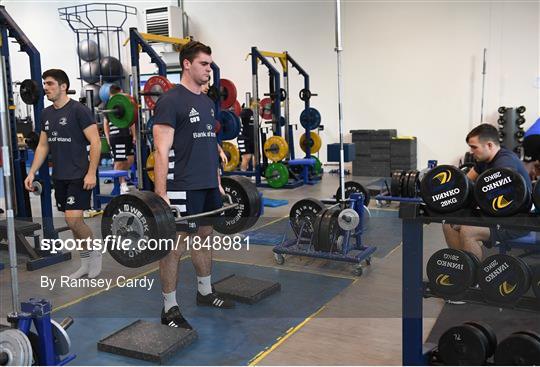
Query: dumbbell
x,y
503,279
471,343
522,348
502,192
451,272
446,189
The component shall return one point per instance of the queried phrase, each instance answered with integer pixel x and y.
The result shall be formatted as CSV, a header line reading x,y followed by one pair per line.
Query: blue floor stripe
x,y
226,337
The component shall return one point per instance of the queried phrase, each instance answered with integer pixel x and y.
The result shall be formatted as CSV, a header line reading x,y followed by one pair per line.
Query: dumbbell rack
x,y
302,246
414,289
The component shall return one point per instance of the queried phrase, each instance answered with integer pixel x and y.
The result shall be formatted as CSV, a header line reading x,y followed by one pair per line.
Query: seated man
x,y
484,143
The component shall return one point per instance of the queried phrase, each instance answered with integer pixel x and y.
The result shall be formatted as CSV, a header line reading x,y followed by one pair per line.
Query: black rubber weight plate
x,y
303,214
451,272
353,186
463,345
501,192
445,189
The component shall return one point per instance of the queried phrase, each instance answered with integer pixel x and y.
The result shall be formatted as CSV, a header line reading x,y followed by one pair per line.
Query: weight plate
x,y
124,110
62,342
136,216
150,163
502,192
395,183
353,186
445,189
265,108
536,195
228,93
316,228
304,94
314,142
489,334
503,279
30,91
413,184
230,125
404,184
317,168
149,130
348,219
519,349
276,148
233,156
16,345
463,345
310,118
304,212
277,175
451,272
242,217
154,87
330,234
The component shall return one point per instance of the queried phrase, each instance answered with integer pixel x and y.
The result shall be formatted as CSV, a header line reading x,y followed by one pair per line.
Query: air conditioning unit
x,y
164,21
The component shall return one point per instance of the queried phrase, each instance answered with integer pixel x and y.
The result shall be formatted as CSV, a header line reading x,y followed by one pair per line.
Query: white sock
x,y
169,300
204,285
83,270
94,265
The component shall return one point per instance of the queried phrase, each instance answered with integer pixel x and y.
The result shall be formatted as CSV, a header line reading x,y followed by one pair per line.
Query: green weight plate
x,y
277,175
124,110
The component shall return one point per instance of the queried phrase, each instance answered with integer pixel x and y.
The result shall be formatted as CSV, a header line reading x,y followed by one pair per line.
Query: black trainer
x,y
174,318
214,300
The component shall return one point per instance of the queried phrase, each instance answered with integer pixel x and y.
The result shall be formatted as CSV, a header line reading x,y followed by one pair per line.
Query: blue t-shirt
x,y
67,142
193,159
505,159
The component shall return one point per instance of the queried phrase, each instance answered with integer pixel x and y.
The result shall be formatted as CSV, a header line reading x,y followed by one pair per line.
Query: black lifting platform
x,y
147,341
246,290
38,258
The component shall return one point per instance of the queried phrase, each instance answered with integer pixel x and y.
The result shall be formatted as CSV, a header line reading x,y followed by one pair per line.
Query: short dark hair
x,y
484,132
57,74
114,89
191,49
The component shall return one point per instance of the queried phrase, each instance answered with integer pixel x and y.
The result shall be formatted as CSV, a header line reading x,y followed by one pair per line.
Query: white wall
x,y
414,66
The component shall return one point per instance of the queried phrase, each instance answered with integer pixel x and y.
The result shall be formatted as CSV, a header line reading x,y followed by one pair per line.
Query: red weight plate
x,y
217,127
265,108
228,93
156,84
236,108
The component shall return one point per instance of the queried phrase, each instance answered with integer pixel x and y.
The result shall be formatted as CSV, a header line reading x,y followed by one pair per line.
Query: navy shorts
x,y
70,195
121,147
245,145
191,202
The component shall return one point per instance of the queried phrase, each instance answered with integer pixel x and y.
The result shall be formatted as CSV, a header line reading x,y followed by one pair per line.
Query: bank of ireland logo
x,y
500,202
443,177
70,200
208,127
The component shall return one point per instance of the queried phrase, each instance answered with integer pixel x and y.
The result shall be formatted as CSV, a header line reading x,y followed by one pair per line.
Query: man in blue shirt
x,y
187,177
484,143
531,149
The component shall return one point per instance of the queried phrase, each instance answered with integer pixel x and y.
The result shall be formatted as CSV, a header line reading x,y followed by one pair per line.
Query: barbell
x,y
121,110
144,216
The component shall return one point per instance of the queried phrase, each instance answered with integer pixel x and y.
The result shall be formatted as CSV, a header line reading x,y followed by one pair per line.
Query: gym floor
x,y
323,315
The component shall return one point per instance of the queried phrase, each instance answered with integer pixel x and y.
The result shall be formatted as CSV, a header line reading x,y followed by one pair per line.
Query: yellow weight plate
x,y
150,162
233,156
276,148
315,142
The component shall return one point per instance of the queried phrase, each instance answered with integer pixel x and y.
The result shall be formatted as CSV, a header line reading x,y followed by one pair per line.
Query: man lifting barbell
x,y
484,143
68,127
187,176
121,142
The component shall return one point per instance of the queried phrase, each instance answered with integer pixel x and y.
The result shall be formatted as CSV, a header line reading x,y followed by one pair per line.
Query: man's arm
x,y
163,139
92,135
40,155
106,129
472,174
